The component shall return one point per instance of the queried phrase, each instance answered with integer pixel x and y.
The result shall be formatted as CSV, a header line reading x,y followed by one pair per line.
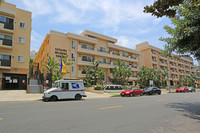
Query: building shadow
x,y
191,110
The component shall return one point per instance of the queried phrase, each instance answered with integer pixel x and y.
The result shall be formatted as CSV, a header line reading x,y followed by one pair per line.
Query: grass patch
x,y
113,94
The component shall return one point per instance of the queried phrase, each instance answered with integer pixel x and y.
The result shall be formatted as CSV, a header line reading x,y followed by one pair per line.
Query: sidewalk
x,y
21,95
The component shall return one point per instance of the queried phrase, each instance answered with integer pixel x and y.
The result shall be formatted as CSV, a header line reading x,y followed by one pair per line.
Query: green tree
x,y
94,74
184,35
89,79
121,73
147,74
51,67
30,67
162,8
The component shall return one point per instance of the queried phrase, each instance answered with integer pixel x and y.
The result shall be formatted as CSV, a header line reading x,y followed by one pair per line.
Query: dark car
x,y
152,90
191,89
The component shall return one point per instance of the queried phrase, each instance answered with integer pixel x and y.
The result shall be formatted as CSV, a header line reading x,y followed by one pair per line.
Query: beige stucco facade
x,y
177,67
84,48
15,33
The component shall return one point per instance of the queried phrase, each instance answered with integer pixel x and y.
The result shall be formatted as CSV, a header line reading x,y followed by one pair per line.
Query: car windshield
x,y
134,89
149,88
189,87
56,84
181,87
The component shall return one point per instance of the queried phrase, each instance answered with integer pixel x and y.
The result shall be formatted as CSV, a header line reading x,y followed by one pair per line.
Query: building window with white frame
x,y
20,58
22,25
73,44
73,57
73,70
21,39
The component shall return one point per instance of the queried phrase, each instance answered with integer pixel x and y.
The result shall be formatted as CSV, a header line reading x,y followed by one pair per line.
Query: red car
x,y
132,92
182,89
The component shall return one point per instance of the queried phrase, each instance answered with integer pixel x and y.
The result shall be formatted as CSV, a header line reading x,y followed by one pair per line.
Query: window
x,y
73,57
102,49
103,60
22,25
73,44
21,39
20,58
87,58
73,70
5,57
2,19
65,86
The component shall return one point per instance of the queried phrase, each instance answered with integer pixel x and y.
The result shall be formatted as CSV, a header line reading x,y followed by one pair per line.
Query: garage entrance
x,y
14,81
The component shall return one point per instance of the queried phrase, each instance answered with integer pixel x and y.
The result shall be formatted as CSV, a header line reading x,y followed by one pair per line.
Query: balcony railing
x,y
5,63
88,48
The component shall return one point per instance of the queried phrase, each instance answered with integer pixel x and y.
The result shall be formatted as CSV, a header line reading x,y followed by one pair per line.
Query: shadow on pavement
x,y
191,110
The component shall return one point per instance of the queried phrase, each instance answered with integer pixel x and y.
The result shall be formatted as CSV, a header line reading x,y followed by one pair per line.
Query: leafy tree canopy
x,y
162,8
185,33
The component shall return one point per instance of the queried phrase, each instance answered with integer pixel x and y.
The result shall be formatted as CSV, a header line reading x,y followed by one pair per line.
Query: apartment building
x,y
177,67
83,49
15,33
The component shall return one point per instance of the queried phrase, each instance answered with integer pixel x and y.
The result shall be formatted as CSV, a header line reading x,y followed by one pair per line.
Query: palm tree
x,y
51,67
95,70
101,74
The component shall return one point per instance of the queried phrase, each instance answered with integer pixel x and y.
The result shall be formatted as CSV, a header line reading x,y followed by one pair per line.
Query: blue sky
x,y
122,19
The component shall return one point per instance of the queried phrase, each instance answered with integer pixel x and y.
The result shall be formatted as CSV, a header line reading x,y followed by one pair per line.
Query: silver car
x,y
191,89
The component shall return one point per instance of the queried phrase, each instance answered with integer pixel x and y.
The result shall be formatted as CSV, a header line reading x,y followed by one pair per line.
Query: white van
x,y
113,88
65,89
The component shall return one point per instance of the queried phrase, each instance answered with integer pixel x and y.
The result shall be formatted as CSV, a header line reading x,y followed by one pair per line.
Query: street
x,y
170,113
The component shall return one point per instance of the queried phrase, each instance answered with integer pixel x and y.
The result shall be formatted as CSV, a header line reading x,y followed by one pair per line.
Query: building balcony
x,y
181,68
134,68
5,64
173,66
162,57
106,64
93,51
7,11
85,50
174,72
154,61
7,44
8,28
163,64
180,62
84,62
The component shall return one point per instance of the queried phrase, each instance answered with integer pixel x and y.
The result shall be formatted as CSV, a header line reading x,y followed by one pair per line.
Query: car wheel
x,y
54,98
141,94
159,93
45,100
122,95
78,97
131,95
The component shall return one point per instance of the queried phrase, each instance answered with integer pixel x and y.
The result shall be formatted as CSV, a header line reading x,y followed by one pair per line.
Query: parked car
x,y
152,90
182,89
132,92
191,89
113,88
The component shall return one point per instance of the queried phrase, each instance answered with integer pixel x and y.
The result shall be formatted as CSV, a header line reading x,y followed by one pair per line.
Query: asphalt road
x,y
171,113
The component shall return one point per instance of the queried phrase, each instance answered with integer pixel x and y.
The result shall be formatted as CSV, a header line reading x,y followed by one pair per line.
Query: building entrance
x,y
14,81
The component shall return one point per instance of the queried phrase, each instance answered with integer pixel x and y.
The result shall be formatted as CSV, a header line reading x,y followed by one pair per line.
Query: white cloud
x,y
36,40
128,42
38,7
